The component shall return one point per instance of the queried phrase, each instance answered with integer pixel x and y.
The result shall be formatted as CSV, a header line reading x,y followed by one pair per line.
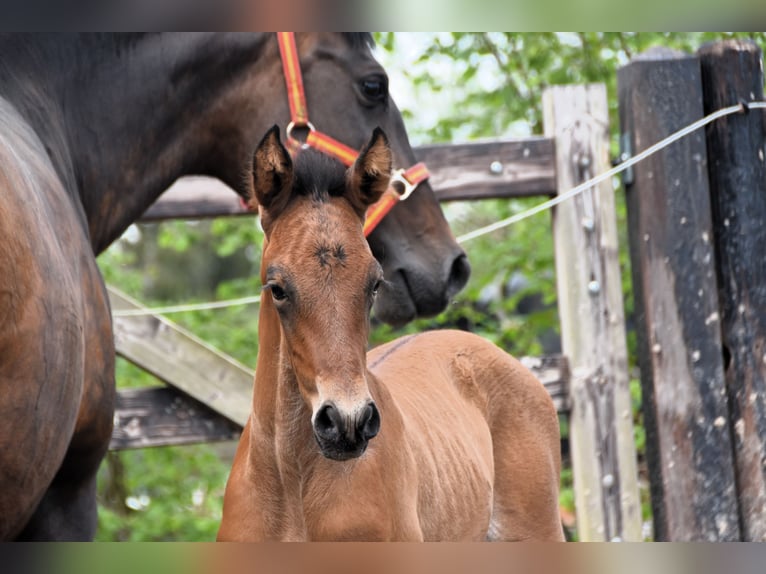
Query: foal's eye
x,y
278,293
375,288
375,88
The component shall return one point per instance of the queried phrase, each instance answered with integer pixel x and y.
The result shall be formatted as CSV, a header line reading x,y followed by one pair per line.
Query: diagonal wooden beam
x,y
182,360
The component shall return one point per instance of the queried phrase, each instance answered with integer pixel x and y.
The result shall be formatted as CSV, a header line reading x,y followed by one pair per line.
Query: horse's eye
x,y
375,88
375,288
278,293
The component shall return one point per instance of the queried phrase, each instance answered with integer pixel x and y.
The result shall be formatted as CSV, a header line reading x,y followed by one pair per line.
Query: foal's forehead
x,y
324,232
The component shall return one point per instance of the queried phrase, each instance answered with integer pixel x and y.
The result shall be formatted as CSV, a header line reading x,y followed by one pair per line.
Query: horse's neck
x,y
128,118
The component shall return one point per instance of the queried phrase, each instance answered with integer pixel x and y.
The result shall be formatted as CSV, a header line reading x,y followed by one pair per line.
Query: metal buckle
x,y
291,126
398,177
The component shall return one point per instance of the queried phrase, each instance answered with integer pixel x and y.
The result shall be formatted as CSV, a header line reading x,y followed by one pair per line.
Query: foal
x,y
438,436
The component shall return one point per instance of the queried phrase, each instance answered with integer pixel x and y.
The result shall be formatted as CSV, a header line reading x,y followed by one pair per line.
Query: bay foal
x,y
437,436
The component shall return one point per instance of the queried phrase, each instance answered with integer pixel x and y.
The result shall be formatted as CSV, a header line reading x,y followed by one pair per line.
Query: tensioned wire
x,y
188,307
610,173
683,132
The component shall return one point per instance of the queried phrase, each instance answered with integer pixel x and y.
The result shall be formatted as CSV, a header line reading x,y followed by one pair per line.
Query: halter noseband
x,y
408,179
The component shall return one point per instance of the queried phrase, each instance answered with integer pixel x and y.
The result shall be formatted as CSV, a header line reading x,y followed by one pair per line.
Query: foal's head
x,y
319,275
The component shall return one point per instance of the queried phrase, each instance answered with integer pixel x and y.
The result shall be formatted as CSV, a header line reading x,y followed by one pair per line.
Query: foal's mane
x,y
318,176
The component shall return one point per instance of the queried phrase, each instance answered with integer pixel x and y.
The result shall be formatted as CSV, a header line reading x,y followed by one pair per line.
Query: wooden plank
x,y
163,416
479,170
688,440
733,71
195,197
491,169
592,319
180,359
553,372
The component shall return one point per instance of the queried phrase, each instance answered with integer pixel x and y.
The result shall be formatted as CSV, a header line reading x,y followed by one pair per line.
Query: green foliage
x,y
161,494
496,79
477,85
176,493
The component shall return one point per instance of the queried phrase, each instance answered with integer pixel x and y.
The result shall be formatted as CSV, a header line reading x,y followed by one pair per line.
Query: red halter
x,y
408,179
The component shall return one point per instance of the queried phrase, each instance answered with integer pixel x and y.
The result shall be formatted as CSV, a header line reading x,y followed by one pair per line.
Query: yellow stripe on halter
x,y
377,212
293,78
330,146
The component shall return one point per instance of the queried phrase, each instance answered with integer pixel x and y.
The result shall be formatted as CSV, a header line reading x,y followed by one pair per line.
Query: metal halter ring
x,y
291,126
398,177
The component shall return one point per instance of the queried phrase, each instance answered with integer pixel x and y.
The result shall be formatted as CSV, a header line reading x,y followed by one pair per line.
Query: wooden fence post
x,y
733,71
688,440
592,319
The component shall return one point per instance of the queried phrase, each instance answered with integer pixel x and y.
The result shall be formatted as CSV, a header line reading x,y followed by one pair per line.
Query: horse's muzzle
x,y
342,436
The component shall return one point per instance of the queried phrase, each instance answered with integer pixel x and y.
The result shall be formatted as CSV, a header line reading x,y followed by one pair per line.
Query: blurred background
x,y
451,87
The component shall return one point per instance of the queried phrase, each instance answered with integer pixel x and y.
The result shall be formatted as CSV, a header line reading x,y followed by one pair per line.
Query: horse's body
x,y
438,436
56,354
92,129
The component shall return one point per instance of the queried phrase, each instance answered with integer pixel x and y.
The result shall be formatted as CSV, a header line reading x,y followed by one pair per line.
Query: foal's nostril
x,y
327,423
368,424
459,274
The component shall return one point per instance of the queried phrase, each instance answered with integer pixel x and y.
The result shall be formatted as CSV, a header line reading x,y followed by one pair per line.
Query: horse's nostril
x,y
459,274
369,423
327,422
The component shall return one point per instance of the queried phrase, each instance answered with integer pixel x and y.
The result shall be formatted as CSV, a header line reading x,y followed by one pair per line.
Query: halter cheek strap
x,y
407,179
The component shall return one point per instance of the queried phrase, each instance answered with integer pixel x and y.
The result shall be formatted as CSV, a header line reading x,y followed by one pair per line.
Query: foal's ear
x,y
368,178
272,174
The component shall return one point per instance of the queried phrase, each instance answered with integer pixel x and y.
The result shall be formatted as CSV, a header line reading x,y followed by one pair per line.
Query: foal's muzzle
x,y
341,435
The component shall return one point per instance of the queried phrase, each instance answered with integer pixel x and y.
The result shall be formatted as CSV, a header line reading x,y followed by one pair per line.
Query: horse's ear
x,y
272,175
370,175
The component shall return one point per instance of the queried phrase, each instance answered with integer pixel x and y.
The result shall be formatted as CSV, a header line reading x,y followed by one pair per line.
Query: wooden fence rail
x,y
478,170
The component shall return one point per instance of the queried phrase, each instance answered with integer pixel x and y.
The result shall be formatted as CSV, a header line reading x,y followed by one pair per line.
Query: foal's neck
x,y
278,408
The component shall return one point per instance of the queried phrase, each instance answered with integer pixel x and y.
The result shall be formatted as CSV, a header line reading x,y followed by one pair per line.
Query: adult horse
x,y
92,129
438,436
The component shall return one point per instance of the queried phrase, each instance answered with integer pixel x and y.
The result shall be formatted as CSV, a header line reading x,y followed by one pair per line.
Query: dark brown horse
x,y
437,436
92,129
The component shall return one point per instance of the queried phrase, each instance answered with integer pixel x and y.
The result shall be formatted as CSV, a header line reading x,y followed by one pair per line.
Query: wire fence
x,y
741,108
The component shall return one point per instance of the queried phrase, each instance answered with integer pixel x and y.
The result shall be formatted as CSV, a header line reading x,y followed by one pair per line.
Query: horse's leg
x,y
67,511
41,370
526,450
68,508
30,452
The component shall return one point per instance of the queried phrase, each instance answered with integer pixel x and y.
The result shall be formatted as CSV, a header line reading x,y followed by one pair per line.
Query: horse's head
x,y
347,97
321,278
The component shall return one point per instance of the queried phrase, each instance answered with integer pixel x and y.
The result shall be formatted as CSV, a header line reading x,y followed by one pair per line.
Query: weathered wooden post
x,y
732,71
689,447
592,318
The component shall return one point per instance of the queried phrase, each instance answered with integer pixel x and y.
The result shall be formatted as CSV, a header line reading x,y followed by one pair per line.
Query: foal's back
x,y
484,436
